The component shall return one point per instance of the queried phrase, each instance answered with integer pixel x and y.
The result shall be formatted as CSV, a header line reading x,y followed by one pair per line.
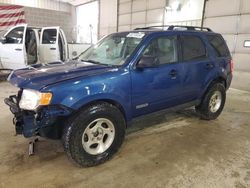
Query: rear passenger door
x,y
196,65
49,45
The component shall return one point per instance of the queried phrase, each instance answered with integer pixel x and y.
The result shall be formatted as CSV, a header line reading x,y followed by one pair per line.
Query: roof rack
x,y
173,27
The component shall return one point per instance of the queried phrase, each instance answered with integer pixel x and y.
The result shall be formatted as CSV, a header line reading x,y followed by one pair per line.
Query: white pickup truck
x,y
22,46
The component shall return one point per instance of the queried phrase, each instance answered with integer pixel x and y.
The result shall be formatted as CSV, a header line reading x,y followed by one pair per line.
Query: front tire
x,y
94,134
213,102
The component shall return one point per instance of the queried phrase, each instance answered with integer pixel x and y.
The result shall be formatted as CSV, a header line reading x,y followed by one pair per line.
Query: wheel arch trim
x,y
90,101
218,79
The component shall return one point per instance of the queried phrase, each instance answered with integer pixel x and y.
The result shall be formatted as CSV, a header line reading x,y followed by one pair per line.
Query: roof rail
x,y
173,27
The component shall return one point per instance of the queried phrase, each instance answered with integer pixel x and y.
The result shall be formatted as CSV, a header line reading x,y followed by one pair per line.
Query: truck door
x,y
64,46
49,45
13,52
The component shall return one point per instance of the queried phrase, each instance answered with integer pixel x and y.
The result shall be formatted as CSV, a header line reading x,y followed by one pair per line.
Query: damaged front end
x,y
46,121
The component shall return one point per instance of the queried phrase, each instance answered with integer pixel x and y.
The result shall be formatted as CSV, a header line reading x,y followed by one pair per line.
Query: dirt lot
x,y
160,150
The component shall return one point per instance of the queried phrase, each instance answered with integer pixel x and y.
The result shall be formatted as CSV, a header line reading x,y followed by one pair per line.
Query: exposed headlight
x,y
31,99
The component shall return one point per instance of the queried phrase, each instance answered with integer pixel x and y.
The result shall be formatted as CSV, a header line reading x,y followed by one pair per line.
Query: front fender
x,y
123,102
79,92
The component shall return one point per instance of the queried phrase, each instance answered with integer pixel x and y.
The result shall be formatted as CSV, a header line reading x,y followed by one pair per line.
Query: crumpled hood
x,y
38,76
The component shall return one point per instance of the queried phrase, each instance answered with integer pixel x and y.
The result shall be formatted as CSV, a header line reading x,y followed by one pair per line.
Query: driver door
x,y
159,86
49,44
13,52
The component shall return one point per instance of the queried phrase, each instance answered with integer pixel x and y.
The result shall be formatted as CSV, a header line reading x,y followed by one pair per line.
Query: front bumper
x,y
47,121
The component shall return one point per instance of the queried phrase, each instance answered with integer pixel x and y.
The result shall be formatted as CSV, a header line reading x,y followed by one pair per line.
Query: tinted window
x,y
193,48
49,36
164,48
15,36
218,45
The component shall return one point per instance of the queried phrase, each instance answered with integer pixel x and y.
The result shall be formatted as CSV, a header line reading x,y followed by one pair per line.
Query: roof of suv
x,y
175,28
172,28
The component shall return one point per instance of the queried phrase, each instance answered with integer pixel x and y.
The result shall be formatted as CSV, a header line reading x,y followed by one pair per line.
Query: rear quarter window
x,y
219,45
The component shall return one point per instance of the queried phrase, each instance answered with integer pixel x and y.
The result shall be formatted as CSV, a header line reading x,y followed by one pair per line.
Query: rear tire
x,y
93,135
213,102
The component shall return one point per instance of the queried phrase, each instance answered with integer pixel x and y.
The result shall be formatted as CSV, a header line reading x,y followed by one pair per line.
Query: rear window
x,y
218,45
193,48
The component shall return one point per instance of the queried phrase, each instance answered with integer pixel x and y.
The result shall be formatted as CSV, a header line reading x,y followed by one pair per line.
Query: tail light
x,y
231,66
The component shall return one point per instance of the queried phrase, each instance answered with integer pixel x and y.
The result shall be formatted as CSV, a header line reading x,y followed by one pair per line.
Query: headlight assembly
x,y
31,99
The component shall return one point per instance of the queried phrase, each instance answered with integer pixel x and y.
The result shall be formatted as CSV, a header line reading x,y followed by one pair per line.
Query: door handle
x,y
209,66
18,49
52,48
173,73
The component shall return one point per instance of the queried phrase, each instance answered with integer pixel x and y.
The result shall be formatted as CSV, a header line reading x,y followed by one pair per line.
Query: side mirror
x,y
148,62
3,40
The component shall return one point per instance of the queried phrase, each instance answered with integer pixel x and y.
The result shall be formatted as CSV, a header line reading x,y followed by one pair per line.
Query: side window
x,y
49,36
164,48
15,36
218,45
193,48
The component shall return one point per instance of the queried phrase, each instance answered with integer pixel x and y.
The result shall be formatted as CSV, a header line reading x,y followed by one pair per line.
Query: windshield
x,y
113,50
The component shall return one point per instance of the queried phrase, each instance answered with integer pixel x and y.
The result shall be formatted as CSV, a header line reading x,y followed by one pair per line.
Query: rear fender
x,y
212,77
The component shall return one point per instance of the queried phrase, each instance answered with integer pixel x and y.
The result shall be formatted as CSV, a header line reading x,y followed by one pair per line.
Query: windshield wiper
x,y
97,62
92,61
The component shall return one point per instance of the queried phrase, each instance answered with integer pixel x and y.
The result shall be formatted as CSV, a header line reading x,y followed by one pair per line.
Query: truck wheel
x,y
213,102
93,135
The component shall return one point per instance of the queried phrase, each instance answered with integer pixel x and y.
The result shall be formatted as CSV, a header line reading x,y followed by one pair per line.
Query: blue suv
x,y
88,102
